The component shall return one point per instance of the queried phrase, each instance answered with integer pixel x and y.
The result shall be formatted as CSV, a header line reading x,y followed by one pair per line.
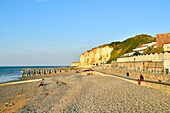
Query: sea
x,y
13,73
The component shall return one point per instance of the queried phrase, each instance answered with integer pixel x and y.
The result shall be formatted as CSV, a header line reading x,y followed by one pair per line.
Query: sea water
x,y
12,73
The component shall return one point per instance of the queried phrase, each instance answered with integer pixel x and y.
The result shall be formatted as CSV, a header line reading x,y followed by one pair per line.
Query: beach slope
x,y
81,93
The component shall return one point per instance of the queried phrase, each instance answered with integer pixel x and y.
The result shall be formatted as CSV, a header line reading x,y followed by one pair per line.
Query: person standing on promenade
x,y
127,74
141,77
42,83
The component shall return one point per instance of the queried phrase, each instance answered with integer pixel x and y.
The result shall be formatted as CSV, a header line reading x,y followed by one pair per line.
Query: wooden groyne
x,y
43,71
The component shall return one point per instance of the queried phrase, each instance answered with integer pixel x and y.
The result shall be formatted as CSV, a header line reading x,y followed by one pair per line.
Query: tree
x,y
136,53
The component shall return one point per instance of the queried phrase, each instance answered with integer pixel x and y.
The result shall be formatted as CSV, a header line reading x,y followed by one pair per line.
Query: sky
x,y
56,32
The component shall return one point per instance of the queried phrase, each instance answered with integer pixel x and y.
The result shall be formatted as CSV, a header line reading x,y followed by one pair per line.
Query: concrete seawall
x,y
164,86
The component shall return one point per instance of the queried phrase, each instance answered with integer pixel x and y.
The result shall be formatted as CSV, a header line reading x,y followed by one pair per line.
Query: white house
x,y
166,47
140,49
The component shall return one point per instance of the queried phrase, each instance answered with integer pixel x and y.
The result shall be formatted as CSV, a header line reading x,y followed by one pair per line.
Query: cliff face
x,y
110,52
96,56
75,64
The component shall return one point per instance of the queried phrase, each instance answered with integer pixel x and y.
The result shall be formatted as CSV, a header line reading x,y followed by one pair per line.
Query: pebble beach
x,y
81,93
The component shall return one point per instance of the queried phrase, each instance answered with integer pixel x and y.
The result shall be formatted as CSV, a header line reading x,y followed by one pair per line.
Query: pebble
x,y
8,104
95,94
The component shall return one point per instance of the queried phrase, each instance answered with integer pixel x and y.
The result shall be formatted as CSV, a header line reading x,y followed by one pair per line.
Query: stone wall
x,y
153,63
162,39
167,66
147,66
136,74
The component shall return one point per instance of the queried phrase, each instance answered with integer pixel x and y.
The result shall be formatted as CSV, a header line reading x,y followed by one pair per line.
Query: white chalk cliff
x,y
96,56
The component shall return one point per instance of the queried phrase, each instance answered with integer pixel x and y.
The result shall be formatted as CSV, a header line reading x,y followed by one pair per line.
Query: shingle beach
x,y
78,93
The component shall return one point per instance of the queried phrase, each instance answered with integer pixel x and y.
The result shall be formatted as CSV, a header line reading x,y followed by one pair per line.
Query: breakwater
x,y
43,71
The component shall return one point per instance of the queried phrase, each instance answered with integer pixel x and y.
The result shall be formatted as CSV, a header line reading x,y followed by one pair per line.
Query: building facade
x,y
162,39
153,63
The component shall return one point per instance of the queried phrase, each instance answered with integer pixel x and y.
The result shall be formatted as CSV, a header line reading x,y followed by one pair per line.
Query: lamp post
x,y
134,63
143,67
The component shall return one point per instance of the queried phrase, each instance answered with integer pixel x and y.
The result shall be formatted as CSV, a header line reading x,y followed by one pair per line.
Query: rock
x,y
8,104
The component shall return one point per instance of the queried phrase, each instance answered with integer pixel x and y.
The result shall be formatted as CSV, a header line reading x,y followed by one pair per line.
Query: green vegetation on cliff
x,y
120,48
153,50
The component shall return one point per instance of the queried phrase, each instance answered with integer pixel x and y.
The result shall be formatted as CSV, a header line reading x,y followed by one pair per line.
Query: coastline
x,y
28,79
14,73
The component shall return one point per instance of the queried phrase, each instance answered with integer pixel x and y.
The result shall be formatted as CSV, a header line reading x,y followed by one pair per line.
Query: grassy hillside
x,y
128,45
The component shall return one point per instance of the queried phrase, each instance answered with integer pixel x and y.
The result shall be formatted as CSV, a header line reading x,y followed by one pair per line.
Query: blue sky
x,y
56,32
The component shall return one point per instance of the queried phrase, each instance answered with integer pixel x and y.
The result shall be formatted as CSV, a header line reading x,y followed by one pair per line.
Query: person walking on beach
x,y
42,83
139,81
141,78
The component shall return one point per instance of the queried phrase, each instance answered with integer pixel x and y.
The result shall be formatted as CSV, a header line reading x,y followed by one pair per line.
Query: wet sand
x,y
82,93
